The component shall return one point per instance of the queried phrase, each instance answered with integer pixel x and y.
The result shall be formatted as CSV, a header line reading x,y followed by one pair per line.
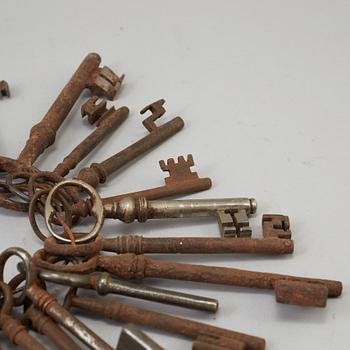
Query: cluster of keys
x,y
85,260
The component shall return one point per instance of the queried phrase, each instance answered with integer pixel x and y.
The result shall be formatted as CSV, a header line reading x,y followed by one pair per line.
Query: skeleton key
x,y
107,123
104,284
47,303
288,289
181,180
40,322
98,172
171,245
88,75
12,328
131,338
114,310
210,342
130,209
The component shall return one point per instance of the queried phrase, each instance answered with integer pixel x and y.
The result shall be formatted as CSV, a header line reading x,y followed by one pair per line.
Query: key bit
x,y
275,225
234,223
4,89
157,110
131,338
105,82
180,170
94,110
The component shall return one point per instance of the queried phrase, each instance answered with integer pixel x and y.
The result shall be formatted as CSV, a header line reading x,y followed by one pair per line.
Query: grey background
x,y
263,87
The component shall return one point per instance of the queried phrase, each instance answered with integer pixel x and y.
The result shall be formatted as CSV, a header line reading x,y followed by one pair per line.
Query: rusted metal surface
x,y
46,303
88,75
98,172
276,226
181,180
172,245
13,329
131,266
114,310
212,342
94,110
4,89
109,122
46,326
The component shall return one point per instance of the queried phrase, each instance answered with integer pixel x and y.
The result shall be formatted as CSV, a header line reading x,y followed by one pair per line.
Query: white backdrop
x,y
263,88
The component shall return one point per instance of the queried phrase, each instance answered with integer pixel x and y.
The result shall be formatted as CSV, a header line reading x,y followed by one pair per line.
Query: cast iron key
x,y
130,209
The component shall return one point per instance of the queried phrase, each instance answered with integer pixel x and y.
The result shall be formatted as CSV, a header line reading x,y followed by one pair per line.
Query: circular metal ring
x,y
25,257
33,209
96,210
15,189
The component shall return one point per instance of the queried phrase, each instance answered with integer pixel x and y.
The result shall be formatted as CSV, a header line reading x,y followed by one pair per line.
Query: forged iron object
x,y
103,284
4,89
114,310
171,245
13,329
302,291
131,338
42,135
130,209
46,303
209,342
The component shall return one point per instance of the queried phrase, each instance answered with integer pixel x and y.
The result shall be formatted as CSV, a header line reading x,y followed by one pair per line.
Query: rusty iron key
x,y
12,328
181,180
104,284
32,317
88,75
171,245
46,303
98,172
288,289
111,309
4,89
130,209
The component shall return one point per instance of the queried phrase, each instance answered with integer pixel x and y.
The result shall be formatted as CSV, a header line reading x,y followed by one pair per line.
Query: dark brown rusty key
x,y
13,329
109,121
114,310
276,226
4,89
46,303
88,75
98,172
288,289
181,180
171,245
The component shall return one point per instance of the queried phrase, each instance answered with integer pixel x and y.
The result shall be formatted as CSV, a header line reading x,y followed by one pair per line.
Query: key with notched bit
x,y
141,209
181,180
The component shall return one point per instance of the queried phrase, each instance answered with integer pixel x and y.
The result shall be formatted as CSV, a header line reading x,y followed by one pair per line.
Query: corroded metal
x,y
4,89
46,303
109,122
276,226
131,266
114,310
88,75
103,284
98,172
13,329
172,245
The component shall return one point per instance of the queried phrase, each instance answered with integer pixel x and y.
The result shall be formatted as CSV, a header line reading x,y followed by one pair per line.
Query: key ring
x,y
96,211
30,275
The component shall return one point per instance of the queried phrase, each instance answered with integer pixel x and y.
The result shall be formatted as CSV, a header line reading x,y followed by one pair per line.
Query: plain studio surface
x,y
263,89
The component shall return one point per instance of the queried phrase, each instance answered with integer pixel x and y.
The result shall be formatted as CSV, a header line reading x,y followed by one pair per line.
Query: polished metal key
x,y
141,209
103,284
